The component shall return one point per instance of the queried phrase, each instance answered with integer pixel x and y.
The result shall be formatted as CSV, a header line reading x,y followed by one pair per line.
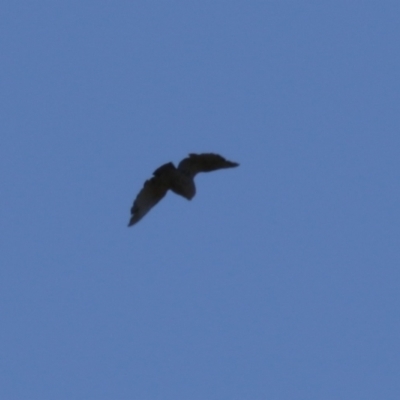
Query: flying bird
x,y
180,180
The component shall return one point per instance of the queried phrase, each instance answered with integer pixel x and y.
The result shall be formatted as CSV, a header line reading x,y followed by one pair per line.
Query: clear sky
x,y
279,280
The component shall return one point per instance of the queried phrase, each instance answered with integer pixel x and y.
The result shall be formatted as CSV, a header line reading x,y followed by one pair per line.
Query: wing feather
x,y
205,162
152,192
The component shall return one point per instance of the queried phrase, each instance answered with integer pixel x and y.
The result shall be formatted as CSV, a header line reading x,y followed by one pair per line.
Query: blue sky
x,y
279,280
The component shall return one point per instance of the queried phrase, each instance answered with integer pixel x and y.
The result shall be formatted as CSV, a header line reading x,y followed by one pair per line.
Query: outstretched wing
x,y
205,162
152,192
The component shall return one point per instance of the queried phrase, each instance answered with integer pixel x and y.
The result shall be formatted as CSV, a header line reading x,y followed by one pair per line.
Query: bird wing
x,y
205,162
153,191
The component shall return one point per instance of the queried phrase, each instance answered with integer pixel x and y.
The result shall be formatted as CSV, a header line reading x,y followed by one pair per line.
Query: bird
x,y
178,179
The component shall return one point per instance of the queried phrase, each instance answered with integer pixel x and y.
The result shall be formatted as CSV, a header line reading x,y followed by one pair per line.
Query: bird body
x,y
183,185
180,180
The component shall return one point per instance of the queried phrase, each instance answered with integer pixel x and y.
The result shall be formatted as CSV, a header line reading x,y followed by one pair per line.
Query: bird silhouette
x,y
180,180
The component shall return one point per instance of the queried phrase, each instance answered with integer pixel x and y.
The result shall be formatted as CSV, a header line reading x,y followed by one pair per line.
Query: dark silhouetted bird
x,y
180,180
